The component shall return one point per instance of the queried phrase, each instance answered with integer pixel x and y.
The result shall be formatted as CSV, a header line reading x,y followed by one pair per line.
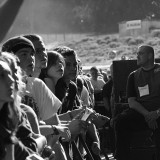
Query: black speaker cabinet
x,y
121,70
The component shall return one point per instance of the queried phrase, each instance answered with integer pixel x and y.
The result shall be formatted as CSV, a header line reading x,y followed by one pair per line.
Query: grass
x,y
95,49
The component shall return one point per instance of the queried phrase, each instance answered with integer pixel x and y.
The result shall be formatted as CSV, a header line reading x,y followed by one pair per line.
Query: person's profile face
x,y
56,70
142,56
94,74
7,84
41,54
27,59
71,67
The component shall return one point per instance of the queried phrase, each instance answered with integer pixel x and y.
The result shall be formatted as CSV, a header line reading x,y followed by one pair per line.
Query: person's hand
x,y
48,153
80,114
151,116
100,120
52,156
95,148
152,124
64,132
77,126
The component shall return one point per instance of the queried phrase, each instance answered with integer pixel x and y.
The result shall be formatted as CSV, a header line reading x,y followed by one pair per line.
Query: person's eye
x,y
23,55
61,62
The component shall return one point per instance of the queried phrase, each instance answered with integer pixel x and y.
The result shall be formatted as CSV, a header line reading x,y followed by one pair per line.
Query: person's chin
x,y
44,65
60,75
29,72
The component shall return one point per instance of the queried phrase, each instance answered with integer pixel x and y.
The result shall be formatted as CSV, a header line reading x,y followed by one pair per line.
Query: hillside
x,y
95,49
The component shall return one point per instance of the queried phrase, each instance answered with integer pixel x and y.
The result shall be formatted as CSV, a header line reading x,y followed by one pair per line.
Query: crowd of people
x,y
44,95
42,102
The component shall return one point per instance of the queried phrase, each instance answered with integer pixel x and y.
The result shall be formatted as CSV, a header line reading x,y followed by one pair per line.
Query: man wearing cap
x,y
24,50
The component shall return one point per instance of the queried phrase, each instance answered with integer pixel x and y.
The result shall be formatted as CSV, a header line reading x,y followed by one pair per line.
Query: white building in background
x,y
138,27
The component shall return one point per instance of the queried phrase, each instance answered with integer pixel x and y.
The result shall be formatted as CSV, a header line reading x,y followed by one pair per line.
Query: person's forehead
x,y
141,49
27,50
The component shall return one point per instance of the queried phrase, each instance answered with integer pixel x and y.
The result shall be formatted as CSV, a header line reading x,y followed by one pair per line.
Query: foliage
x,y
95,49
155,33
104,15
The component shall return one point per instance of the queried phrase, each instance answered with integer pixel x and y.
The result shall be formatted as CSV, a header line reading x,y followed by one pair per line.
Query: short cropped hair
x,y
148,49
65,51
94,68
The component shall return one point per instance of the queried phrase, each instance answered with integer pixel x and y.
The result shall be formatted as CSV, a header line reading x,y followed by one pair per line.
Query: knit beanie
x,y
16,43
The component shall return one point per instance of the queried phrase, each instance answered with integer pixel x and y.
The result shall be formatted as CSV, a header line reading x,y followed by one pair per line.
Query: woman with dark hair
x,y
54,70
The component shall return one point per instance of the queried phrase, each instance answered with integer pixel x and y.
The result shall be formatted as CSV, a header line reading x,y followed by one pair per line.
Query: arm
x,y
92,132
54,120
85,97
68,116
137,106
106,93
32,117
10,152
53,130
47,102
40,141
91,92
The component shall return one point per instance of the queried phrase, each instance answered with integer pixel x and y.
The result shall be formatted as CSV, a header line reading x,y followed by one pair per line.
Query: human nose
x,y
44,54
60,65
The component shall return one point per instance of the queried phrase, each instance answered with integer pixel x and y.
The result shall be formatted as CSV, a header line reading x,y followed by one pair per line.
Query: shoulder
x,y
134,72
84,89
34,81
108,83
